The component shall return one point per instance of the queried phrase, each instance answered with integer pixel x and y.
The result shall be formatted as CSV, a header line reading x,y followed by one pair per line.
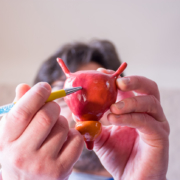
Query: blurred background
x,y
145,33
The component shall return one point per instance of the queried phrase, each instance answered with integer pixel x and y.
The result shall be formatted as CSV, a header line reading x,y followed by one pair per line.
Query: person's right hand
x,y
35,142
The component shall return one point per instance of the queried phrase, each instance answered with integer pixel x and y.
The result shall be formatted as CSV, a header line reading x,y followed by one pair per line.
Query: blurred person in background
x,y
132,145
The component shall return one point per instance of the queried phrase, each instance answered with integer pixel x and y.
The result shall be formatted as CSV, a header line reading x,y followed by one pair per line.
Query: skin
x,y
35,141
134,147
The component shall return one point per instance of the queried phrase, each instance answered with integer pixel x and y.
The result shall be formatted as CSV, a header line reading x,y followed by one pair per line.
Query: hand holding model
x,y
136,145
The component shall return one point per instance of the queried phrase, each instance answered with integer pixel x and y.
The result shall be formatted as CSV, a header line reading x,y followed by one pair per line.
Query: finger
x,y
141,121
121,138
72,149
21,114
41,126
138,84
56,138
133,120
122,95
146,104
21,89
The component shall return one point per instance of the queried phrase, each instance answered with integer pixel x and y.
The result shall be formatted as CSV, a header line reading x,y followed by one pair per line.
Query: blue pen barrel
x,y
5,109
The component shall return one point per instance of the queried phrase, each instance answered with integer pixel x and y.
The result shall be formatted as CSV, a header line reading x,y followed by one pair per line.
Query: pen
x,y
54,95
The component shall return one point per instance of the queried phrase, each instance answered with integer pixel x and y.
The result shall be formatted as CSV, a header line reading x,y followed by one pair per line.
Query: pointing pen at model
x,y
54,95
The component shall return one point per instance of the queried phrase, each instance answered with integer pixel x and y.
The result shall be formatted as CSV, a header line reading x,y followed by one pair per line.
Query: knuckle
x,y
38,168
20,114
144,118
140,120
154,100
40,93
48,114
155,103
45,120
63,123
134,102
50,168
143,123
18,160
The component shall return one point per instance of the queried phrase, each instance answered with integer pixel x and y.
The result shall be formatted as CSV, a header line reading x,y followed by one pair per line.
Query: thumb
x,y
21,89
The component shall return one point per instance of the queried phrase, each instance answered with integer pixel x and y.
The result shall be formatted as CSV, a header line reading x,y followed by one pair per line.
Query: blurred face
x,y
65,111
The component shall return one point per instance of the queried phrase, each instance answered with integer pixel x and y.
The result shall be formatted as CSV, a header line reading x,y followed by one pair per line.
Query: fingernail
x,y
44,85
105,70
109,71
120,105
125,80
101,69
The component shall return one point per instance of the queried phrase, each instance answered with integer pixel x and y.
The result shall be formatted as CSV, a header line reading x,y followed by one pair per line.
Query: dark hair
x,y
74,55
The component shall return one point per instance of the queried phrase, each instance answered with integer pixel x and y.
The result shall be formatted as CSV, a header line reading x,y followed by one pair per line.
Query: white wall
x,y
146,33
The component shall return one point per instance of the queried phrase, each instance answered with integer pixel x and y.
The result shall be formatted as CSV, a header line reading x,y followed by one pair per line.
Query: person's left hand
x,y
136,146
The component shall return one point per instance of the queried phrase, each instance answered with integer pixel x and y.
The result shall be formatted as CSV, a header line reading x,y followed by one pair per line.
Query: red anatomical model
x,y
89,104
